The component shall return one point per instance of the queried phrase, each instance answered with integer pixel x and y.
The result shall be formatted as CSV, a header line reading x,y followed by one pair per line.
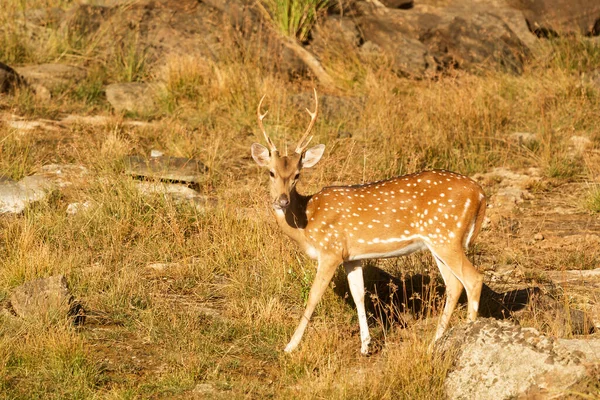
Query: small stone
x,y
133,97
579,144
74,208
179,169
156,153
86,120
40,297
205,388
160,267
523,138
177,190
24,125
41,92
538,236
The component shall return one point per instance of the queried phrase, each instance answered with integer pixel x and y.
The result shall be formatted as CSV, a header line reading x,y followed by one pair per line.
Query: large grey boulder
x,y
499,360
467,35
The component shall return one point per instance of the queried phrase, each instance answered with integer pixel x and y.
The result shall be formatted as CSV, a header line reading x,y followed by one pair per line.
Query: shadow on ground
x,y
392,300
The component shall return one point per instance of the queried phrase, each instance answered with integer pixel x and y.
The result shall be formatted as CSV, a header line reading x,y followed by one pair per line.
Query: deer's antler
x,y
313,116
261,126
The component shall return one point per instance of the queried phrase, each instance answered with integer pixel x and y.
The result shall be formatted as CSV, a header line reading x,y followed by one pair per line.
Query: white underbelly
x,y
402,251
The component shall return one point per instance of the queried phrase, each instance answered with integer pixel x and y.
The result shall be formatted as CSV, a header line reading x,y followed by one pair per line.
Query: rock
x,y
334,31
508,197
403,4
570,243
24,126
594,314
408,55
16,196
75,208
132,97
86,19
588,277
52,76
205,389
579,144
538,237
469,36
63,175
41,92
156,153
489,362
93,120
589,347
178,169
512,188
46,17
549,17
109,3
523,138
41,297
178,192
161,267
475,40
512,16
9,78
505,177
99,120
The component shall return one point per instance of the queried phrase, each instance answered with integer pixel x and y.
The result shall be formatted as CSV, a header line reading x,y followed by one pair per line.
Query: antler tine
x,y
261,126
313,117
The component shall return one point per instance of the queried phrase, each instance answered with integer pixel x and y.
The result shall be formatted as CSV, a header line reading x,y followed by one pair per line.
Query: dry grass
x,y
221,315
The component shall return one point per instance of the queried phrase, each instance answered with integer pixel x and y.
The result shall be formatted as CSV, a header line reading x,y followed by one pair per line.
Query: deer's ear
x,y
312,155
260,154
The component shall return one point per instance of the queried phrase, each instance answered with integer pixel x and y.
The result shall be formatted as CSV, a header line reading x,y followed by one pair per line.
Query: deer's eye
x,y
297,176
272,174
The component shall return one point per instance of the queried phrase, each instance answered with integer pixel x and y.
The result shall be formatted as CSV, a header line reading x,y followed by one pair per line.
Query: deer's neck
x,y
293,220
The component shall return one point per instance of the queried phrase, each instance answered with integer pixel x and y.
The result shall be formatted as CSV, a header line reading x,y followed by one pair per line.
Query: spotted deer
x,y
438,210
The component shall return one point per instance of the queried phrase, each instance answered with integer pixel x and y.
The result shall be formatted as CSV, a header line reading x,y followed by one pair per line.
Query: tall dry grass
x,y
153,334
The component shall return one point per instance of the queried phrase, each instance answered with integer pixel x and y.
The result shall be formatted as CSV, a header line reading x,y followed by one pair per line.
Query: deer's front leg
x,y
325,272
357,289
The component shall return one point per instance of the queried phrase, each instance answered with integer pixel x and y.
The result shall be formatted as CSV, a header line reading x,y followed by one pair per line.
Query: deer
x,y
436,210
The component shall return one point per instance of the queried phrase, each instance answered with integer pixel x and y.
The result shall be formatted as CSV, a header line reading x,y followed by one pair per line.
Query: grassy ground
x,y
213,324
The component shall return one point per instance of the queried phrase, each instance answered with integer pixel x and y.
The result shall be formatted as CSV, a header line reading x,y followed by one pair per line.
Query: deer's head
x,y
285,170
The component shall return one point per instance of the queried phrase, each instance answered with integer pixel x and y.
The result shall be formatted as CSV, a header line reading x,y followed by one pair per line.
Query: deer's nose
x,y
283,201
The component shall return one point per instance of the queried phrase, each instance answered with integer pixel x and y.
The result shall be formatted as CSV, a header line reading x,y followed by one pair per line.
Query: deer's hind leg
x,y
458,272
357,289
